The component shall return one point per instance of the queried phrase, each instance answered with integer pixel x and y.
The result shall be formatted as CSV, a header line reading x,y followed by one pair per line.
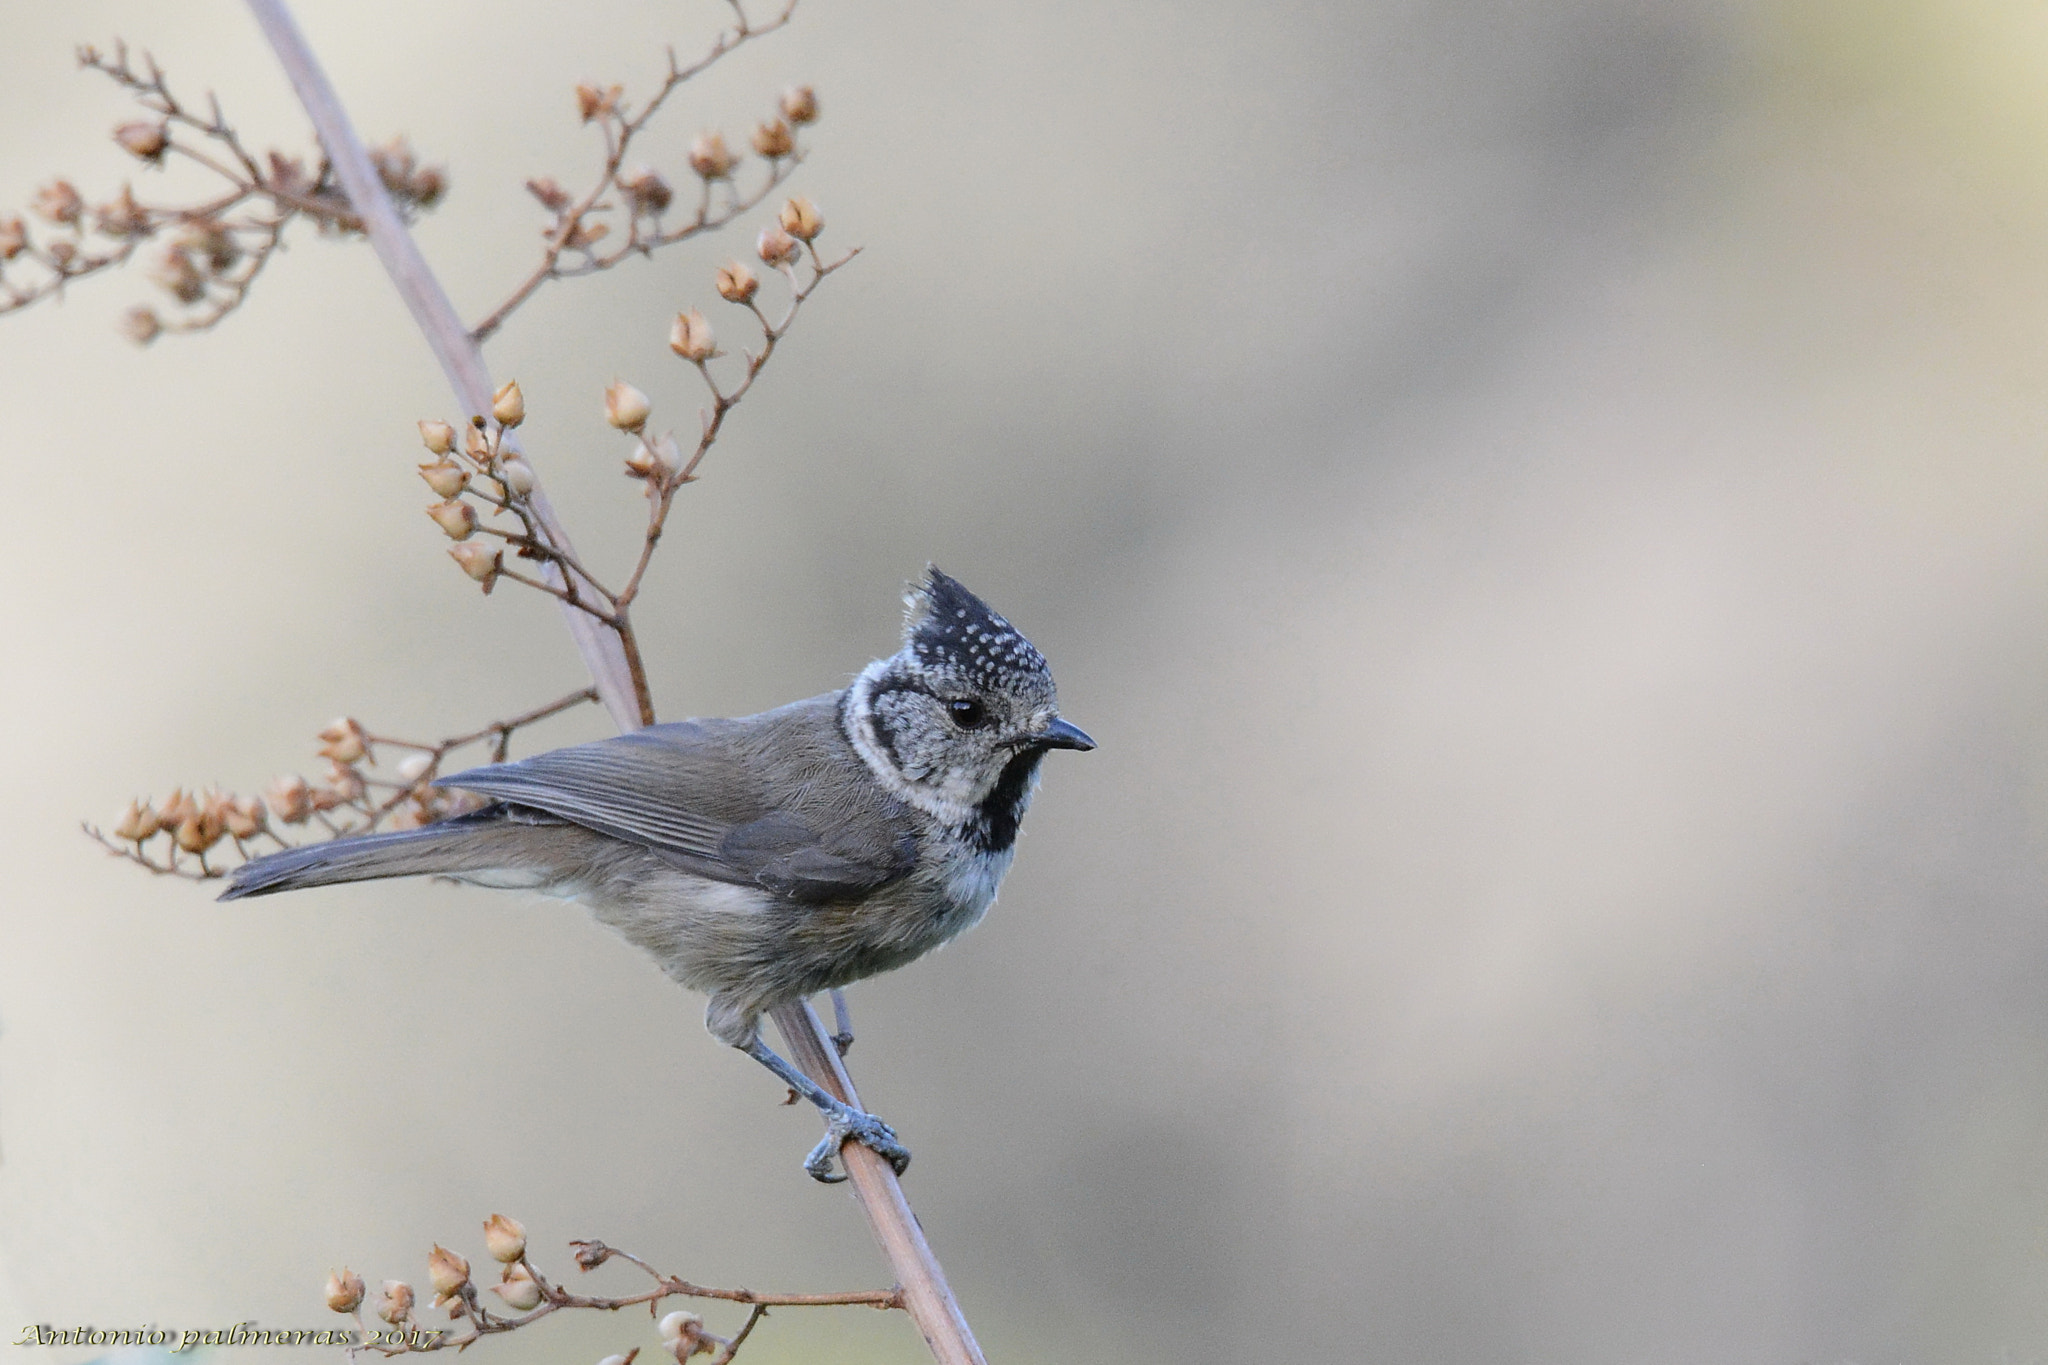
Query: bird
x,y
764,859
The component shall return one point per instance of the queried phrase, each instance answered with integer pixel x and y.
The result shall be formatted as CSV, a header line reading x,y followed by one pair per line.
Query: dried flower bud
x,y
210,239
552,196
800,105
475,444
344,1291
445,477
141,325
583,236
13,238
504,1237
519,475
426,186
710,157
642,463
690,337
625,407
592,102
446,1271
62,254
590,1255
177,274
736,283
171,812
344,781
344,741
244,816
413,767
648,192
143,139
121,216
666,452
775,246
394,1302
290,799
508,404
800,219
478,561
678,1323
438,436
520,1291
139,822
199,831
774,140
58,201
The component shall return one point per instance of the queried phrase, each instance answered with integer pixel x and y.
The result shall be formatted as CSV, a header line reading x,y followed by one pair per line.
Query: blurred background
x,y
1543,506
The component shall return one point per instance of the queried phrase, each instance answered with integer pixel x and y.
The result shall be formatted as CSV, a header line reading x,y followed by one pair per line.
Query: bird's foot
x,y
847,1123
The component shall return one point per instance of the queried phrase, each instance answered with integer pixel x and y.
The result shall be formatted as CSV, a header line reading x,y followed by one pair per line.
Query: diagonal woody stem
x,y
619,679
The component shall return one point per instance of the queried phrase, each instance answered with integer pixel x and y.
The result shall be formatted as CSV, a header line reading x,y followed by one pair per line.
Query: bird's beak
x,y
1060,735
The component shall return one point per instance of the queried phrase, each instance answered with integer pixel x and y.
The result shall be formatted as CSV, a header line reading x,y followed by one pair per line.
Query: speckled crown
x,y
951,631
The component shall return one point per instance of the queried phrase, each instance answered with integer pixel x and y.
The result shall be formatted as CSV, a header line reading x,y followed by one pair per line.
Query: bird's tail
x,y
464,844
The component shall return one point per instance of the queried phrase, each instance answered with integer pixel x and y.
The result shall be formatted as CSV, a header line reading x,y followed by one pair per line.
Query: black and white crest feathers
x,y
951,632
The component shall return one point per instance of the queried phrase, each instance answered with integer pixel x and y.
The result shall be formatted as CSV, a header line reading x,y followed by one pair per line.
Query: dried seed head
x,y
290,799
344,741
519,476
344,1291
475,444
774,140
520,1291
478,561
504,1237
413,767
177,274
625,407
666,452
58,201
141,325
438,436
13,238
710,157
647,191
775,246
736,283
583,236
690,337
800,105
593,103
172,811
445,477
552,196
121,216
800,219
508,404
210,240
143,139
643,463
199,831
139,822
678,1323
394,1301
244,816
446,1271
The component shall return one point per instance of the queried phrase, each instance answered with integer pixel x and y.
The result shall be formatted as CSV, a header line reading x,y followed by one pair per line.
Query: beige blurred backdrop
x,y
1543,505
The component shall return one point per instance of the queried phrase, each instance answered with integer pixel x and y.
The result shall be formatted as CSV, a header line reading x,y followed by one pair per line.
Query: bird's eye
x,y
967,713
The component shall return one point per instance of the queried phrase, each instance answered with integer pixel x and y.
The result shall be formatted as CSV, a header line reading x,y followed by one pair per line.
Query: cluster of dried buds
x,y
528,1295
647,193
354,797
481,474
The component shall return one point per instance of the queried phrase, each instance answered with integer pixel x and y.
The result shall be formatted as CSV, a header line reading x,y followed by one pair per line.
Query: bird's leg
x,y
843,1040
842,1120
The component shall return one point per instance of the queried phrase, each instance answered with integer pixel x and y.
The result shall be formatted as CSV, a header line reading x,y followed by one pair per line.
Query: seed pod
x,y
139,822
394,1301
504,1237
800,105
775,246
625,407
445,477
438,436
519,476
800,219
290,799
344,1291
710,157
244,816
648,192
59,202
141,325
446,1271
736,283
774,140
520,1291
457,520
478,561
690,337
144,140
508,405
551,195
13,238
344,741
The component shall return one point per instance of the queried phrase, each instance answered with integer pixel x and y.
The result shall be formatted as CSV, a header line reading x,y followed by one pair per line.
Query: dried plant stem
x,y
620,679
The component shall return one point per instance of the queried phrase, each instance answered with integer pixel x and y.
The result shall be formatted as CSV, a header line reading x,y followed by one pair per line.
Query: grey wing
x,y
678,790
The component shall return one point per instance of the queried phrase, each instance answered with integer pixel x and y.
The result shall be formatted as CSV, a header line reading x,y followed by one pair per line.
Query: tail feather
x,y
448,846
